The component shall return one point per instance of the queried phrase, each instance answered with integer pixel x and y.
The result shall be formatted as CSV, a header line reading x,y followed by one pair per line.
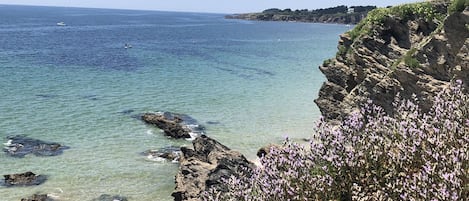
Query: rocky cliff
x,y
410,49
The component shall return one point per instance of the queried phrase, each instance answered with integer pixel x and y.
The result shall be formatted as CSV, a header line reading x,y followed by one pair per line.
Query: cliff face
x,y
415,53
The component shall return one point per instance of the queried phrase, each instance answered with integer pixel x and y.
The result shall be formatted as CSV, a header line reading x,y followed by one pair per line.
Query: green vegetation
x,y
318,12
405,12
327,62
339,13
458,6
409,60
342,50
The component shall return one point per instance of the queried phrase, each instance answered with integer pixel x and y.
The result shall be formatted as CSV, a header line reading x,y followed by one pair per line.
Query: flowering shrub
x,y
409,155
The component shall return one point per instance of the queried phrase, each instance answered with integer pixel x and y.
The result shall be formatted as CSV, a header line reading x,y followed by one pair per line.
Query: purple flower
x,y
419,154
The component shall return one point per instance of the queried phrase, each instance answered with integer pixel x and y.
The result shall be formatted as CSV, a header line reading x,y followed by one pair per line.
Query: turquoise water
x,y
70,84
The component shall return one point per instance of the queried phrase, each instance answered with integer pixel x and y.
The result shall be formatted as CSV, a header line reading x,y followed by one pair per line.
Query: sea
x,y
248,83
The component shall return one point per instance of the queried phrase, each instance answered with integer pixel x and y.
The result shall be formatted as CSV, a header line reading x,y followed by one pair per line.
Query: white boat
x,y
61,24
127,46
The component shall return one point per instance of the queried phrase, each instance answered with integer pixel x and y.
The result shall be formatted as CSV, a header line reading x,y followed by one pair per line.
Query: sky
x,y
209,6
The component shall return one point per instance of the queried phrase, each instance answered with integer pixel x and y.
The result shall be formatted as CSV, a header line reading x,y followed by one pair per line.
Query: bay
x,y
249,83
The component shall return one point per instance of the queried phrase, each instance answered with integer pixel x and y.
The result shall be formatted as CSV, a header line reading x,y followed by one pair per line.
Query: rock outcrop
x,y
23,179
171,153
174,125
411,54
204,166
19,146
37,197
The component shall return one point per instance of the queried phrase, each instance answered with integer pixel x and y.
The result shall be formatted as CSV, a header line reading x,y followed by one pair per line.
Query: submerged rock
x,y
205,165
106,197
174,125
213,122
19,146
38,197
172,154
128,111
23,179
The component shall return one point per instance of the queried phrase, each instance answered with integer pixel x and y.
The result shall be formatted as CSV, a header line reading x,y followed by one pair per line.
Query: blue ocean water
x,y
77,85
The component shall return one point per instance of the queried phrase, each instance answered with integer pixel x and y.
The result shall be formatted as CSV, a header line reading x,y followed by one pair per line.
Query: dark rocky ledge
x,y
174,125
23,179
204,166
171,153
38,197
19,146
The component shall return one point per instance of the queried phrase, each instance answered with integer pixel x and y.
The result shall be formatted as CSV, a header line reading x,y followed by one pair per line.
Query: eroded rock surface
x,y
23,179
174,125
411,55
204,166
38,197
171,153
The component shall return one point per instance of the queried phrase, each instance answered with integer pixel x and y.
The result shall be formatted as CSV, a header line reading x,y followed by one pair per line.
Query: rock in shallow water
x,y
23,179
174,125
37,197
171,153
19,146
204,167
106,197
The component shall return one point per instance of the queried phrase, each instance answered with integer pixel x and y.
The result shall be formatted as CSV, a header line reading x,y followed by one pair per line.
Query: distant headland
x,y
338,14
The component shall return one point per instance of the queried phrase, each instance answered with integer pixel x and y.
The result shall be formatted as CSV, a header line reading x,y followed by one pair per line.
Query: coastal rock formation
x,y
174,125
407,54
204,166
37,197
172,154
19,146
23,179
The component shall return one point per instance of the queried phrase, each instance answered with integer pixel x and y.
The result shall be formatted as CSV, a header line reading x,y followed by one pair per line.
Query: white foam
x,y
193,136
53,196
193,125
61,191
9,143
155,158
149,132
159,113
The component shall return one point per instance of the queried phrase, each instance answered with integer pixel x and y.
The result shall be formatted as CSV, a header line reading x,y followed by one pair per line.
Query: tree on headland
x,y
338,14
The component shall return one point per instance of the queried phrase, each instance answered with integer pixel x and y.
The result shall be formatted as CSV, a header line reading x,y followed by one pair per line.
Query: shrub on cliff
x,y
424,10
410,155
458,6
